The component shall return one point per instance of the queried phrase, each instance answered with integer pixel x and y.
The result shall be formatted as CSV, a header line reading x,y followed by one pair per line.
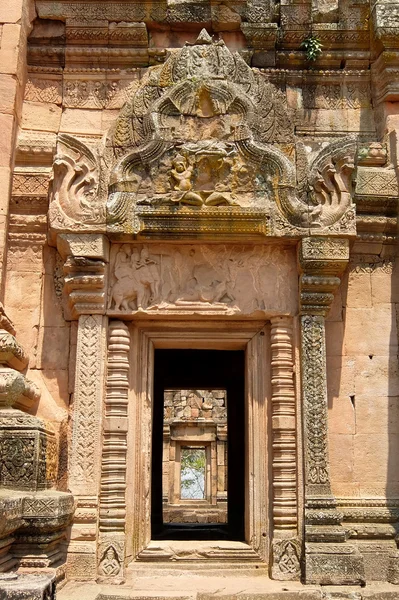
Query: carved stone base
x,y
27,586
28,452
286,562
333,564
111,555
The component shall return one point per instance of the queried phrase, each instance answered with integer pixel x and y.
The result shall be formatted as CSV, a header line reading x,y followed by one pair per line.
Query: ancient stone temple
x,y
199,377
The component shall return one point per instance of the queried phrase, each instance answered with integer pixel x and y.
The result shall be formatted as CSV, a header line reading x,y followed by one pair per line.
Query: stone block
x,y
51,407
76,120
53,351
81,567
5,189
334,338
341,417
28,452
41,116
340,377
341,457
376,457
385,287
9,48
375,414
8,92
338,564
11,12
23,294
370,331
6,140
24,586
377,376
358,294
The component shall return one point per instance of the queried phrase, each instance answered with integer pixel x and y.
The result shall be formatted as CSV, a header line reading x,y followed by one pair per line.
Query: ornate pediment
x,y
203,147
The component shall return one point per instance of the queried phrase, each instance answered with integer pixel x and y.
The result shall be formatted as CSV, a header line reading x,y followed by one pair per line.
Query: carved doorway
x,y
198,445
250,339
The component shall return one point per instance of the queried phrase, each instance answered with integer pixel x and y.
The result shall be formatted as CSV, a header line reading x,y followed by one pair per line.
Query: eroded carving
x,y
222,279
75,186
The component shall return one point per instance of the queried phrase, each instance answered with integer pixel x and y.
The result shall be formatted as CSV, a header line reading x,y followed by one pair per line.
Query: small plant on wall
x,y
313,47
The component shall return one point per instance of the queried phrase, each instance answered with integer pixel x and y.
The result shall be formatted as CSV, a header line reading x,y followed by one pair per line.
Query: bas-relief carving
x,y
74,190
205,131
84,461
229,280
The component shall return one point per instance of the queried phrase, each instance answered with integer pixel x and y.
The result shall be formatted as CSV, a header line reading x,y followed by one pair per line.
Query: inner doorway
x,y
199,412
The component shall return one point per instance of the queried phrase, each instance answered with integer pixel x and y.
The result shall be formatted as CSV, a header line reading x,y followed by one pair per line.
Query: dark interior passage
x,y
202,369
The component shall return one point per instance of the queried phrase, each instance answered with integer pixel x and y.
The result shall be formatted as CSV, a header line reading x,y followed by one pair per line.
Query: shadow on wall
x,y
363,396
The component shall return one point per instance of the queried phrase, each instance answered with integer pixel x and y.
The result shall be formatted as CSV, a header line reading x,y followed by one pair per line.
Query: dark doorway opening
x,y
202,369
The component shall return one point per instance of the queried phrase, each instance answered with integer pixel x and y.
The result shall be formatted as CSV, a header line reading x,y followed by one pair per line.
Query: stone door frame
x,y
255,337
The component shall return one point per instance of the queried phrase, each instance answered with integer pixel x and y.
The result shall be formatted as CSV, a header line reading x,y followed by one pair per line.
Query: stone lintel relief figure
x,y
224,279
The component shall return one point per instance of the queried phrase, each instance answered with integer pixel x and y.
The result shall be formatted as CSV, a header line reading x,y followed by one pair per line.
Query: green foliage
x,y
193,467
313,47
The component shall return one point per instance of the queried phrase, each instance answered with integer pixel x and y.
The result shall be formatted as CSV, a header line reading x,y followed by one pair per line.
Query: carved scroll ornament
x,y
74,192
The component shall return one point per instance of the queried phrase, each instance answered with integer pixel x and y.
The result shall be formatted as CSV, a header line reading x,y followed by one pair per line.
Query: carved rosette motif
x,y
286,547
113,466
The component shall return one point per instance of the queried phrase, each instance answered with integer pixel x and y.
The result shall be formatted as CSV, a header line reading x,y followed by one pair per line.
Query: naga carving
x,y
202,146
329,190
74,192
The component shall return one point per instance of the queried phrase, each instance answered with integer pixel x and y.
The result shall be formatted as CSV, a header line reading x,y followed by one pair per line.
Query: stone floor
x,y
159,583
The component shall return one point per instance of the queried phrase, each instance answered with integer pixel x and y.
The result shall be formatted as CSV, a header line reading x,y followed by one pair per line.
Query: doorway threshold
x,y
198,551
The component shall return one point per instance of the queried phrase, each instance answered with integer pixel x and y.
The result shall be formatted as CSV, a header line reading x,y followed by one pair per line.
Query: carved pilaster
x,y
286,547
328,560
84,473
113,466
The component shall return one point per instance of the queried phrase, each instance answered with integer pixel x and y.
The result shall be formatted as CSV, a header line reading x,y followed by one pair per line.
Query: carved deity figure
x,y
110,565
138,279
181,173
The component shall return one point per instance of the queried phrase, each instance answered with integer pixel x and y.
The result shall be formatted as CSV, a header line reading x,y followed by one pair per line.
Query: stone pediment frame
x,y
197,152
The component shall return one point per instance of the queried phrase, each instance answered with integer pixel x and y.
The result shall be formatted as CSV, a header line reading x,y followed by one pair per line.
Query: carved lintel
x,y
113,466
86,421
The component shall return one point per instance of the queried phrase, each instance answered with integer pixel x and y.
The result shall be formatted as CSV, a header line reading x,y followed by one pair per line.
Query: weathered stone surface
x,y
189,185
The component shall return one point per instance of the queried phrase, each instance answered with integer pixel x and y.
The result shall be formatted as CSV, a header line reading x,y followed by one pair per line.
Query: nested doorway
x,y
198,445
249,455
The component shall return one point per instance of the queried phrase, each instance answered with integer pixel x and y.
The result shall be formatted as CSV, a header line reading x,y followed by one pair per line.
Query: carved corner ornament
x,y
75,200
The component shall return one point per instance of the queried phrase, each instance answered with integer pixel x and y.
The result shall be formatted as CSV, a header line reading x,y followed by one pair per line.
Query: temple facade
x,y
199,281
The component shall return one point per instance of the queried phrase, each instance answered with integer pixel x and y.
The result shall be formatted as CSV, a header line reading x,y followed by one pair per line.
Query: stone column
x,y
86,257
112,516
286,545
328,558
